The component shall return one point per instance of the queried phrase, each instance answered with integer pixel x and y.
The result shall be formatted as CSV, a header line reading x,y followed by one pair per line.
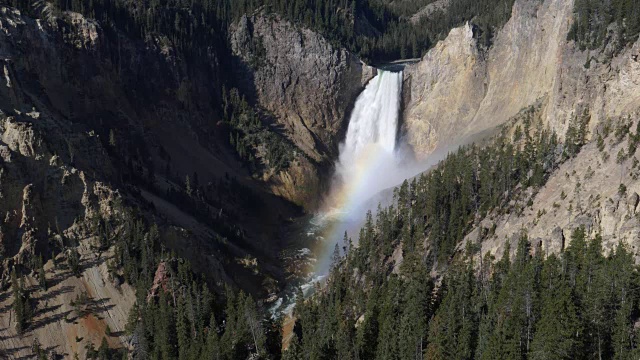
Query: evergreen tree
x,y
624,298
335,257
294,352
73,261
452,334
21,303
103,350
182,330
42,277
388,337
112,138
556,332
212,346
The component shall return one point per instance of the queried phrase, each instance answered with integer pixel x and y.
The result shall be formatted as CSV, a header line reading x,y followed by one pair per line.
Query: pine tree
x,y
252,321
388,337
592,287
367,333
624,277
73,261
21,303
112,138
555,337
294,352
165,328
38,351
103,350
335,257
42,278
212,345
273,335
187,186
182,329
509,338
453,331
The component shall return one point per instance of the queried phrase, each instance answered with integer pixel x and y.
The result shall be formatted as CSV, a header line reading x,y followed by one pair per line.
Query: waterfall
x,y
374,119
369,152
369,162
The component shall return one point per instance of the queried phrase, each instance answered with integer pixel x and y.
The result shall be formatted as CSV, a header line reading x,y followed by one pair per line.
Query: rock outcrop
x,y
307,85
62,325
443,91
50,191
304,81
458,91
40,194
430,9
91,120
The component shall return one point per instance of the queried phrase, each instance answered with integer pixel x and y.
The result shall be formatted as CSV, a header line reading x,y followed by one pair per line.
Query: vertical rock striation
x,y
458,91
307,86
304,81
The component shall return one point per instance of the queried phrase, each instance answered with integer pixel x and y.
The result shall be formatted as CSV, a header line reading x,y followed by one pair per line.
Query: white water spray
x,y
369,158
374,119
369,162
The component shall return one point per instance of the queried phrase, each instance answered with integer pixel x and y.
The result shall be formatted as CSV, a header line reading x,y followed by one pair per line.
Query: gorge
x,y
172,171
370,161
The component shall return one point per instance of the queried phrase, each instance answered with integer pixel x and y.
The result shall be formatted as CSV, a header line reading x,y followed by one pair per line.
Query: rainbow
x,y
345,205
367,165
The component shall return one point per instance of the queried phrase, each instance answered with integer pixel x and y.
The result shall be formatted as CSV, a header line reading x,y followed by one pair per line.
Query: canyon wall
x,y
458,90
307,87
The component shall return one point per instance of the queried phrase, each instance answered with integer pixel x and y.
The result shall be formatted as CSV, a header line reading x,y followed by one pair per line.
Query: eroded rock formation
x,y
307,85
458,91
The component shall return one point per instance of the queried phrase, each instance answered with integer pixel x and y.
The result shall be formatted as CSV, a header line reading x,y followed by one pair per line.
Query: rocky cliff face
x,y
87,124
597,189
457,91
54,181
307,85
298,76
92,120
49,182
443,91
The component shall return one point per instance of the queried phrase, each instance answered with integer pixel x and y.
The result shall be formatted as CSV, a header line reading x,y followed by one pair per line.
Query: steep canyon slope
x,y
307,85
93,120
460,90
